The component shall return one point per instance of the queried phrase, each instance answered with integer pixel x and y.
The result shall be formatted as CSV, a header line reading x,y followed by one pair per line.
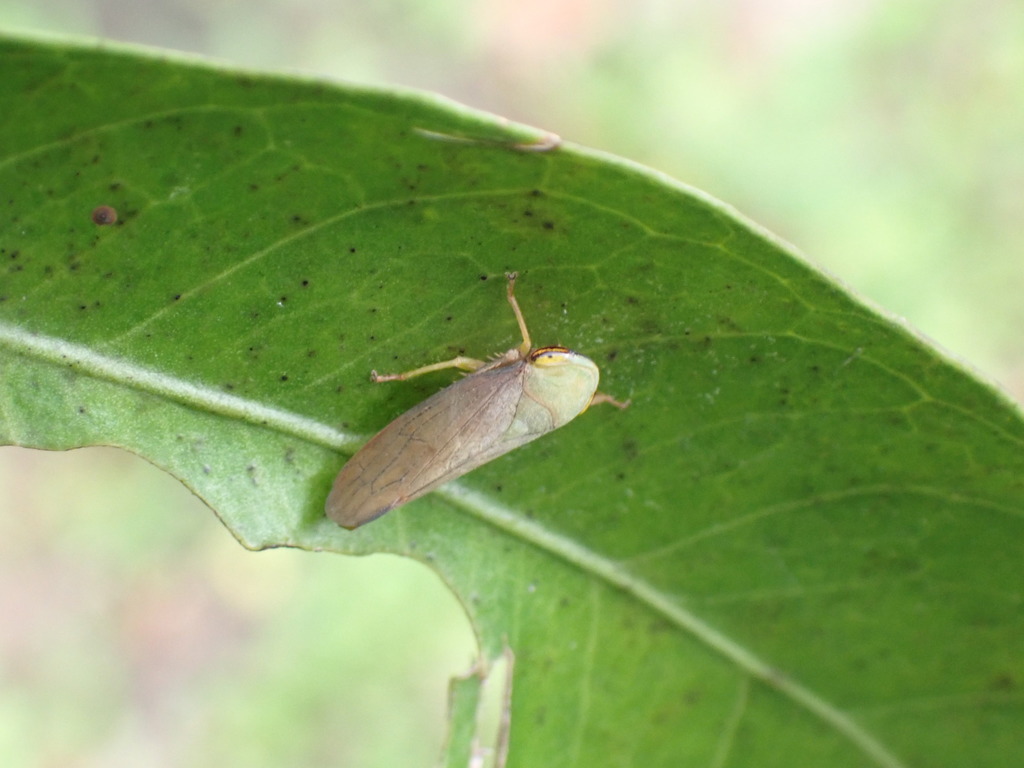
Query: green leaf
x,y
800,545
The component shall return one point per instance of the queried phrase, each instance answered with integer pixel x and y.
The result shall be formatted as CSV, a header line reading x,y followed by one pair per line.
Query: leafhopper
x,y
498,406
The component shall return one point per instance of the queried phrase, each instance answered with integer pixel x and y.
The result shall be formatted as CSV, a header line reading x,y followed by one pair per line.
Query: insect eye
x,y
546,355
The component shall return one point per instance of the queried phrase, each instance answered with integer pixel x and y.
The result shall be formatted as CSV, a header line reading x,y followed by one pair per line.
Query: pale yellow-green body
x,y
499,406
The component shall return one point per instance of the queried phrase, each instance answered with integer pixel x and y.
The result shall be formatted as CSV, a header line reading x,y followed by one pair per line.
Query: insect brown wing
x,y
445,436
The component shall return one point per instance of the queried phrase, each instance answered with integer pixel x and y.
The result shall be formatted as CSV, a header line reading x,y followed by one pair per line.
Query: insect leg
x,y
526,346
601,397
460,362
544,143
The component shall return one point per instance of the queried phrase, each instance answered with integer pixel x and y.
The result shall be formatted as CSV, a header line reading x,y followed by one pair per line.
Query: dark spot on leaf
x,y
305,283
352,249
630,449
283,299
104,215
284,377
693,697
238,130
527,212
549,225
114,186
81,409
1003,682
632,300
536,193
310,353
177,297
755,359
483,277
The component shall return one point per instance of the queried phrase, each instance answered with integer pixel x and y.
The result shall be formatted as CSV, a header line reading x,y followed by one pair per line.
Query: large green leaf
x,y
801,545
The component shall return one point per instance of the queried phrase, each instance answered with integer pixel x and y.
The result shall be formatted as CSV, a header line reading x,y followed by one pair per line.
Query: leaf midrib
x,y
505,518
83,360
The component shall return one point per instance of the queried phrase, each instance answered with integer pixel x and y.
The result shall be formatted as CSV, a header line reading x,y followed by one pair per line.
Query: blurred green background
x,y
885,140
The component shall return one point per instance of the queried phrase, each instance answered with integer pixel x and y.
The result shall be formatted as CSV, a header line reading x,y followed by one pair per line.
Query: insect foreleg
x,y
601,397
